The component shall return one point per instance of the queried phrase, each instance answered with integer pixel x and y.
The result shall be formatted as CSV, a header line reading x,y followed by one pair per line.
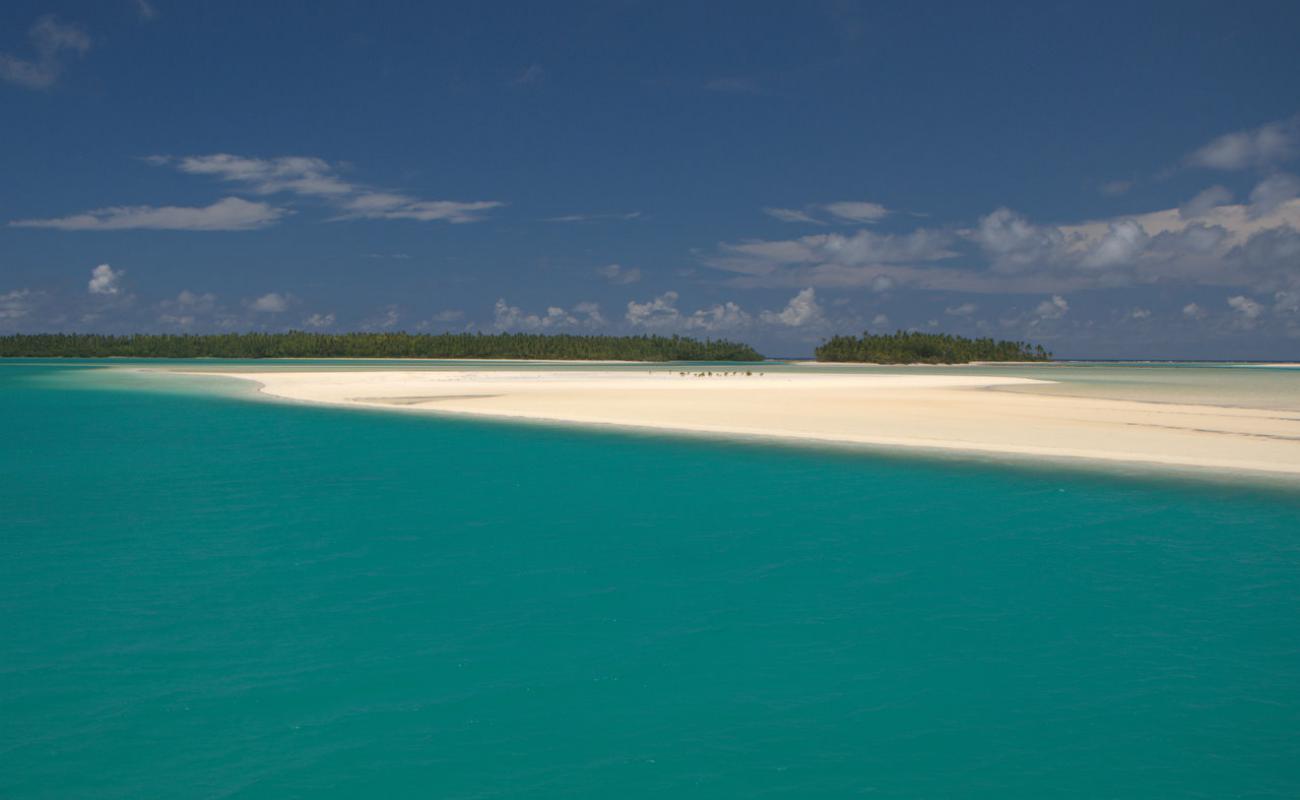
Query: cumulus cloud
x,y
1205,202
802,310
662,314
1272,193
319,321
16,304
1013,244
1258,147
1193,311
1207,241
230,214
583,315
1054,307
1286,302
53,43
316,178
186,308
620,275
963,310
384,320
1123,241
104,280
1246,307
270,303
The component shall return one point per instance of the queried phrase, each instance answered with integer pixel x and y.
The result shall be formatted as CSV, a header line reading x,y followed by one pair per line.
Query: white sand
x,y
949,412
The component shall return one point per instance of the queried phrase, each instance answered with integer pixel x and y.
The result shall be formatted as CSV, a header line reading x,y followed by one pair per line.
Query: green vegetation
x,y
905,347
297,344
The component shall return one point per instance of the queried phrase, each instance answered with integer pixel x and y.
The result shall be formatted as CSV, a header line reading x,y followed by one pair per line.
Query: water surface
x,y
207,595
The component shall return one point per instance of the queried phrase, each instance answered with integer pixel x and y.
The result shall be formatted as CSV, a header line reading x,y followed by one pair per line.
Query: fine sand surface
x,y
949,412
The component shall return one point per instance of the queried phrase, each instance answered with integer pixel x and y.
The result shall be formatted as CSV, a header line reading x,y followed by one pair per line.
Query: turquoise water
x,y
204,595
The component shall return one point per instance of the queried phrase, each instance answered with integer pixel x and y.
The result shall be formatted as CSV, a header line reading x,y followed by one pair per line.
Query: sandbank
x,y
963,413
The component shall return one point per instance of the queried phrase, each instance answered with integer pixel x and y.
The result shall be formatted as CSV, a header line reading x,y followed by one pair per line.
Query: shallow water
x,y
205,594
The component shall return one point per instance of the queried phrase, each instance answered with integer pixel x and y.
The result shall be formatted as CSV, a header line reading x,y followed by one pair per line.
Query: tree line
x,y
907,347
300,344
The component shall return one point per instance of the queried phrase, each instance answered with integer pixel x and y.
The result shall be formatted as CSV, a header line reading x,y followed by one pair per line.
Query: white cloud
x,y
270,303
1014,244
618,274
53,42
1272,193
319,321
1204,242
104,280
1246,307
719,317
1115,188
1193,311
582,315
230,214
625,216
853,212
1259,147
792,215
1139,313
857,211
1052,308
1286,302
388,206
802,310
880,322
382,321
661,312
303,175
833,253
1205,202
963,310
1120,245
308,176
16,304
186,308
145,10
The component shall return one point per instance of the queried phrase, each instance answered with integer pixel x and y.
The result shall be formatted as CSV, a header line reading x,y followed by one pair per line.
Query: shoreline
x,y
946,413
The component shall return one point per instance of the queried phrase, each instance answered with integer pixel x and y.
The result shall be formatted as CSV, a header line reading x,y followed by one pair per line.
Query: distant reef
x,y
906,347
299,344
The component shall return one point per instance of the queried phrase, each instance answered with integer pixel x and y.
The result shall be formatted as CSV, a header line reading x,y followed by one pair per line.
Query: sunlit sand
x,y
970,413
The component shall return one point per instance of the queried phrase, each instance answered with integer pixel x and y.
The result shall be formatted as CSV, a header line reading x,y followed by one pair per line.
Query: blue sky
x,y
1112,180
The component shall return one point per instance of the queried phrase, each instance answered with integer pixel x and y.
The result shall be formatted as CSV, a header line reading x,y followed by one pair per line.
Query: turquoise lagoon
x,y
204,594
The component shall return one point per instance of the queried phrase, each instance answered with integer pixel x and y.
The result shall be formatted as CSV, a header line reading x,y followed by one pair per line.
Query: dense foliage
x,y
297,344
905,347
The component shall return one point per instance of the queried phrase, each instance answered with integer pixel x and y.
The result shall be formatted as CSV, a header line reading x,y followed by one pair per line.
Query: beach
x,y
966,413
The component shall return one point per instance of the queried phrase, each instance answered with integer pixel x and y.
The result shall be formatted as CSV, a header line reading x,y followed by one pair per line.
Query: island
x,y
914,347
299,344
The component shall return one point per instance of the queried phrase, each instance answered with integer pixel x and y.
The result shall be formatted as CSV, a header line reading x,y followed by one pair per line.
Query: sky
x,y
1112,180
